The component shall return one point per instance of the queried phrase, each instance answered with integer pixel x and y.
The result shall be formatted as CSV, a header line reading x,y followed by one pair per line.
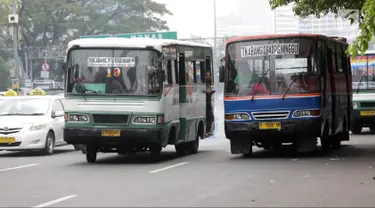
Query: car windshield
x,y
363,72
284,62
24,107
115,72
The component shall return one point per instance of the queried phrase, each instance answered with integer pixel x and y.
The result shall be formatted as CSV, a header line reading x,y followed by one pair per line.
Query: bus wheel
x,y
91,153
356,129
249,153
181,149
193,147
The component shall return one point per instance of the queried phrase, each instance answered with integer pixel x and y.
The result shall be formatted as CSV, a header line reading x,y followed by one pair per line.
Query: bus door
x,y
332,91
342,87
208,68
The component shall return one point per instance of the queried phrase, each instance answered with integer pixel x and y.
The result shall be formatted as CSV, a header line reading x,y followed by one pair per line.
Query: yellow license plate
x,y
7,140
269,125
111,133
367,113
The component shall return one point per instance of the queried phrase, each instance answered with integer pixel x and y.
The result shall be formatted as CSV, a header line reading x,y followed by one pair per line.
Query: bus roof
x,y
274,36
131,42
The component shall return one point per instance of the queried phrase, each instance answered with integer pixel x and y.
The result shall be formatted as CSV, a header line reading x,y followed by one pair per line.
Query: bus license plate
x,y
367,113
269,125
111,133
7,140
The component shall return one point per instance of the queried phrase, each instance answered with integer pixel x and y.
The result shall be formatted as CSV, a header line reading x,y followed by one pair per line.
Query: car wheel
x,y
49,147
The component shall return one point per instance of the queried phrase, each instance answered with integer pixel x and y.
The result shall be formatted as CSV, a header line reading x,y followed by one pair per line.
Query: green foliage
x,y
55,22
365,17
4,74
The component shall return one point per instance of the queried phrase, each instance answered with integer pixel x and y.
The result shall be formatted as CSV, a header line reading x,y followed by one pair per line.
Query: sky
x,y
196,17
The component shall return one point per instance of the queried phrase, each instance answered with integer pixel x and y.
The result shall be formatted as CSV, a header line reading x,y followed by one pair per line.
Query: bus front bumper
x,y
127,136
363,120
289,127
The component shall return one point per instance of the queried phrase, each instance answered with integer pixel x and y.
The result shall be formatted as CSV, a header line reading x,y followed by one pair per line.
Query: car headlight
x,y
38,126
237,116
355,105
306,113
84,118
144,120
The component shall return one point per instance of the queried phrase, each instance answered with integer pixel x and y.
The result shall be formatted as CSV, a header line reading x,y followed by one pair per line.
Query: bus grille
x,y
367,105
117,119
270,115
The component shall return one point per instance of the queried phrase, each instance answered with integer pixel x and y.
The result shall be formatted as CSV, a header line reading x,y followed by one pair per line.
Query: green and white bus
x,y
135,95
363,83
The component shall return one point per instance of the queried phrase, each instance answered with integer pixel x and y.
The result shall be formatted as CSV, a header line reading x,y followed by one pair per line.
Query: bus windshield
x,y
282,63
363,68
113,71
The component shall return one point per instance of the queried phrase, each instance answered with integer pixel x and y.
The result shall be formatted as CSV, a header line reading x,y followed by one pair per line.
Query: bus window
x,y
167,66
175,69
189,72
339,58
198,75
181,70
208,67
202,72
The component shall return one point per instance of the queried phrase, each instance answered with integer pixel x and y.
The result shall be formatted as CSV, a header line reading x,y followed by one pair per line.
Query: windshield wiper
x,y
360,81
260,81
294,80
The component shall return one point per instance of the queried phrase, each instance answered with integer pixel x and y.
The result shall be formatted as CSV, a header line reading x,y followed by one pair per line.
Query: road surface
x,y
213,177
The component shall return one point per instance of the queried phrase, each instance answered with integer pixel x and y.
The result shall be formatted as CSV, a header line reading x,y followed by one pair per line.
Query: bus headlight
x,y
355,105
306,113
237,116
144,120
81,118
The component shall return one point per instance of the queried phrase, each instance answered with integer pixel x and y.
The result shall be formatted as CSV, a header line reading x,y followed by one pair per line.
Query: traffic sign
x,y
45,66
152,35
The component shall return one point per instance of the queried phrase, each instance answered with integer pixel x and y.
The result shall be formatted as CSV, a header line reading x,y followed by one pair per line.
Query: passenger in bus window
x,y
209,110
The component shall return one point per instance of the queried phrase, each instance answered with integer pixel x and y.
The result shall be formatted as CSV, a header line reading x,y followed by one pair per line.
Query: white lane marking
x,y
168,167
19,167
55,201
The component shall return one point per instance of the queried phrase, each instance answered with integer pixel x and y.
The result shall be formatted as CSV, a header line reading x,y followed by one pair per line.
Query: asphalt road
x,y
212,177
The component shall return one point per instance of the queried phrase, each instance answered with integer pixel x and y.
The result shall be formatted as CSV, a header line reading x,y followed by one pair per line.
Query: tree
x,y
55,22
361,11
4,74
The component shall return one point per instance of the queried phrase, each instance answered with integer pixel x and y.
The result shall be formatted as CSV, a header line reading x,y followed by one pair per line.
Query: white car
x,y
32,123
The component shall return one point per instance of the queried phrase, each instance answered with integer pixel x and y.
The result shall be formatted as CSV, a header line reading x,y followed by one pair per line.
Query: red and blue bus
x,y
290,88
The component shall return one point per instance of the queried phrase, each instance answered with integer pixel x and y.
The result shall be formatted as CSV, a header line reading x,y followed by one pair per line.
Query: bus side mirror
x,y
161,76
221,73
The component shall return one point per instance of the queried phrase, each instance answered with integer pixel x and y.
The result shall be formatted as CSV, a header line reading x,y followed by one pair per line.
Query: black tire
x,y
372,128
49,147
356,129
181,149
77,147
155,151
193,147
84,149
91,153
248,154
336,144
